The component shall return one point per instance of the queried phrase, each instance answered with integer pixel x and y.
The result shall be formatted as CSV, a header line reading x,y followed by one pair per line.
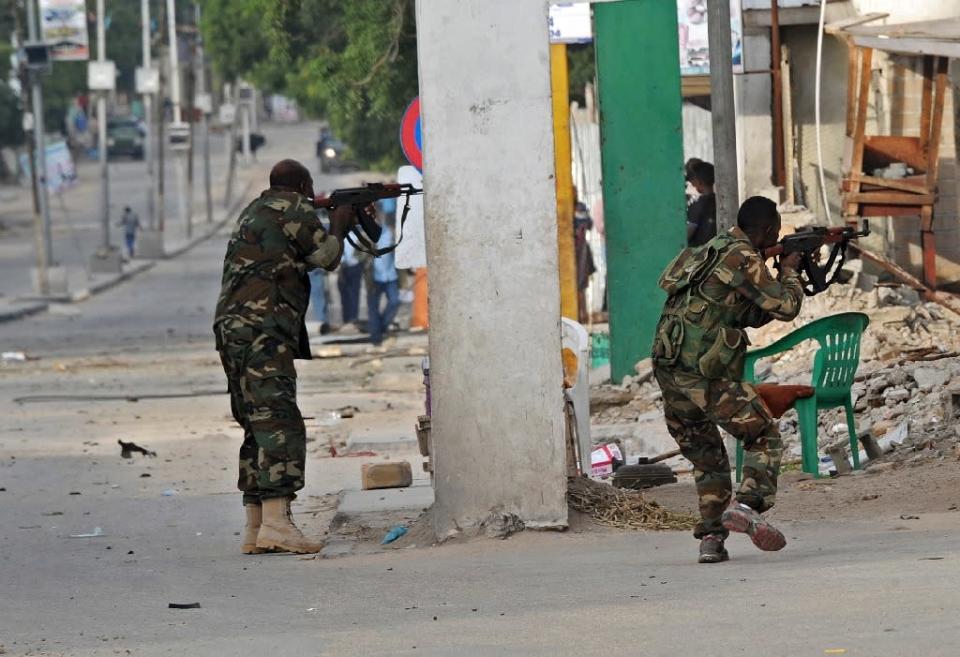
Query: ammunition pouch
x,y
725,357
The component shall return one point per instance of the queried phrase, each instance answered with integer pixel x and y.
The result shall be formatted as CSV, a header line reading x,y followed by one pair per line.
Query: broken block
x,y
386,475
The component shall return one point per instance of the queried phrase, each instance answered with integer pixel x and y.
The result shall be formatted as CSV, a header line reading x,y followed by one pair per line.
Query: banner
x,y
63,26
694,41
61,172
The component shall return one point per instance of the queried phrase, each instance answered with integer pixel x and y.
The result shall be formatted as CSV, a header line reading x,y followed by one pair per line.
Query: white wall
x,y
492,253
902,11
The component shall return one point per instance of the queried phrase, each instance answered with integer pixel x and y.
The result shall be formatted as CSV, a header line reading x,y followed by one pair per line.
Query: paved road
x,y
874,588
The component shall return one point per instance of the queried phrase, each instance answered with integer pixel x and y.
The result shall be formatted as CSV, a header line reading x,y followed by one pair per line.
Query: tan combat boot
x,y
277,531
254,514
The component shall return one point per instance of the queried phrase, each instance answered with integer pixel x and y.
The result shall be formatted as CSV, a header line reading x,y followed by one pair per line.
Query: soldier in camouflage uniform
x,y
715,291
260,330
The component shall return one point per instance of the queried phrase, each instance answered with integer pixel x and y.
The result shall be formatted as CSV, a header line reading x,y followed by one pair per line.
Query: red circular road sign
x,y
410,137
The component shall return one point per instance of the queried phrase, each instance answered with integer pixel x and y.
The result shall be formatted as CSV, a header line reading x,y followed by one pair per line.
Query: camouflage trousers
x,y
694,407
263,397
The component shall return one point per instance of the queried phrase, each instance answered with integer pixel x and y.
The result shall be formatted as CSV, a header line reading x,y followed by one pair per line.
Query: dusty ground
x,y
907,490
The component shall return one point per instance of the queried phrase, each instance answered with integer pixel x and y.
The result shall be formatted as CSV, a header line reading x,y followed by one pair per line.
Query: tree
x,y
353,63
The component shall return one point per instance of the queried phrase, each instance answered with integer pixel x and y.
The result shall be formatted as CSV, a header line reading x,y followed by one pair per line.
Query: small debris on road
x,y
127,450
393,534
169,493
183,605
97,531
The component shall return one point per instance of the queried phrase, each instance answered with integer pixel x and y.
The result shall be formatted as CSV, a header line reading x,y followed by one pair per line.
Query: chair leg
x,y
852,429
807,413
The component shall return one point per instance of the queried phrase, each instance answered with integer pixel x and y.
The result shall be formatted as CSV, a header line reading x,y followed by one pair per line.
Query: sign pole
x,y
177,116
206,106
39,141
148,115
102,136
723,111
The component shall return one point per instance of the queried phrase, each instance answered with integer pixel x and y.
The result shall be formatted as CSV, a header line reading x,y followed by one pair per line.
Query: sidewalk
x,y
77,231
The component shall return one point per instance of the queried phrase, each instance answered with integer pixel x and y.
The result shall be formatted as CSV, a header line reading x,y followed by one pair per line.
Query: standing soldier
x,y
715,291
260,330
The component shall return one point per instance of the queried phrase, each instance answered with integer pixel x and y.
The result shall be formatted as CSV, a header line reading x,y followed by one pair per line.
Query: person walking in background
x,y
350,278
384,281
130,223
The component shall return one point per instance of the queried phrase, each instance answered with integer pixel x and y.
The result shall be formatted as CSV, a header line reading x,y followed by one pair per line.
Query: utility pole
x,y
102,135
177,115
148,112
723,112
230,99
205,103
38,165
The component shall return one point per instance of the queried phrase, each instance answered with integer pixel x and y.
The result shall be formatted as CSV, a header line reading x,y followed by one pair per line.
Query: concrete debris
x,y
503,525
906,394
386,475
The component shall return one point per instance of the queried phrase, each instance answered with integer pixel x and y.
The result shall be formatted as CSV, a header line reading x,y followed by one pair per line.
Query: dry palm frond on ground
x,y
623,509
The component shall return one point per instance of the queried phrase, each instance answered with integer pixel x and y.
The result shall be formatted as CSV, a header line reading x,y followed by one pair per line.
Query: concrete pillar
x,y
490,209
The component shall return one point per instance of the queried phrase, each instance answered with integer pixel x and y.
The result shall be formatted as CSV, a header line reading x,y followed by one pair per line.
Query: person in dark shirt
x,y
702,213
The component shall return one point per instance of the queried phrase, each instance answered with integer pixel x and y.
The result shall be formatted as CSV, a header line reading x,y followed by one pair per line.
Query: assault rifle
x,y
816,277
367,230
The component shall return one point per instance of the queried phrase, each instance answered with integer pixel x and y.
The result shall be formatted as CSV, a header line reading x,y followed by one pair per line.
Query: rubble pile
x,y
907,389
901,327
911,410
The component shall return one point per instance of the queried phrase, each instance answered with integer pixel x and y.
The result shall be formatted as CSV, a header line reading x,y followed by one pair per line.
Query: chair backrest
x,y
836,362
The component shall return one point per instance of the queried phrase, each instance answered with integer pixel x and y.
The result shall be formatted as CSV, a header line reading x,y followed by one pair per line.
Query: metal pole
x,y
230,96
39,141
204,120
723,111
102,135
177,116
779,168
244,108
148,115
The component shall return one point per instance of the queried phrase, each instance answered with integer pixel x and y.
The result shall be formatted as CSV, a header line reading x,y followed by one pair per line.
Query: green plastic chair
x,y
834,367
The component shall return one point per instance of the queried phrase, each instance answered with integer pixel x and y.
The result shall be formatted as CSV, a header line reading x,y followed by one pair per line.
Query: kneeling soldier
x,y
715,291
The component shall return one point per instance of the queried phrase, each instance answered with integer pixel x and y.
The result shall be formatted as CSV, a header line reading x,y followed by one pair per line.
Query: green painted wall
x,y
638,70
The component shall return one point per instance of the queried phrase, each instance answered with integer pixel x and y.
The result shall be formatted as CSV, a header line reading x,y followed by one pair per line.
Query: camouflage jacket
x,y
277,240
715,291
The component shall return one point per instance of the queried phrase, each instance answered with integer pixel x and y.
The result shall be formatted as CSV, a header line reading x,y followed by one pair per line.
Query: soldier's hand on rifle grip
x,y
791,261
342,219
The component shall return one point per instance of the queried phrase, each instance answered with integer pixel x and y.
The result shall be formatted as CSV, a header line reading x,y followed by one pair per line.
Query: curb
x,y
33,308
25,311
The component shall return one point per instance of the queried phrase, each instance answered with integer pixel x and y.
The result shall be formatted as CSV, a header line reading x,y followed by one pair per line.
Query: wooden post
x,y
932,151
560,91
859,129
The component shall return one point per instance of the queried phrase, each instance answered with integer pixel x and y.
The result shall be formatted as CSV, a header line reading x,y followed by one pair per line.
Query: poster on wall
x,y
63,26
570,23
61,172
694,41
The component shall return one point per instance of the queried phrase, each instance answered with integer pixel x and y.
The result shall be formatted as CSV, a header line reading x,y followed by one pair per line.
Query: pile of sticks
x,y
623,509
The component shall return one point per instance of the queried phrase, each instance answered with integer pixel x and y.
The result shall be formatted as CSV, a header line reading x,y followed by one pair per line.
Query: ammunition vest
x,y
696,333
